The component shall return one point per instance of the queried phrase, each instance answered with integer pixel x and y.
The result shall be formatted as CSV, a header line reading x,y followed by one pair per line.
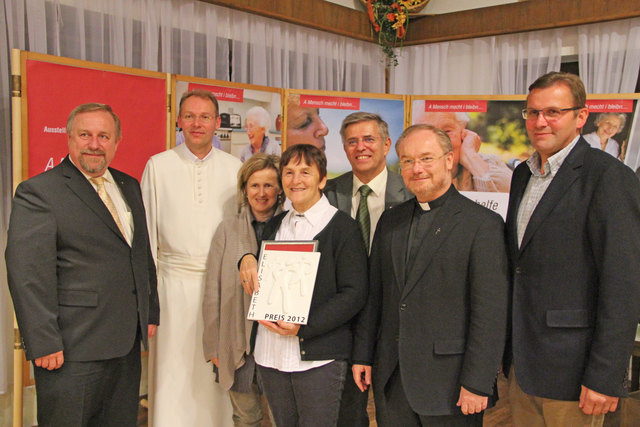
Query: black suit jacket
x,y
339,191
576,277
76,284
444,322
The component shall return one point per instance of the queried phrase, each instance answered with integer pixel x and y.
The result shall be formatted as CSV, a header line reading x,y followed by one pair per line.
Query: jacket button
x,y
301,339
518,271
403,306
302,352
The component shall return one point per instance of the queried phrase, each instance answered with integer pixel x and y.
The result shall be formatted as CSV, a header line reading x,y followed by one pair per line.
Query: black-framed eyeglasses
x,y
550,114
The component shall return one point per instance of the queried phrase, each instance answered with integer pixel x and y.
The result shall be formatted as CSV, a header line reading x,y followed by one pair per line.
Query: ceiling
x,y
436,7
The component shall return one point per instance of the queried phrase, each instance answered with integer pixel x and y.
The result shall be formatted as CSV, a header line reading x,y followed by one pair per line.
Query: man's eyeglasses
x,y
550,114
204,118
426,161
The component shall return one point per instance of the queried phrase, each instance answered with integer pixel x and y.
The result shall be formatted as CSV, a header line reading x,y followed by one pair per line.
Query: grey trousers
x,y
307,398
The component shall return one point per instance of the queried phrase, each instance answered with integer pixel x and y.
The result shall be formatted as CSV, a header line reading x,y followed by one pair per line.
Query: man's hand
x,y
471,403
151,330
249,274
469,157
594,403
361,376
51,361
281,327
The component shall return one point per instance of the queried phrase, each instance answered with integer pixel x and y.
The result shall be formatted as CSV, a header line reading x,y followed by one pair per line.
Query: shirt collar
x,y
554,161
377,184
315,213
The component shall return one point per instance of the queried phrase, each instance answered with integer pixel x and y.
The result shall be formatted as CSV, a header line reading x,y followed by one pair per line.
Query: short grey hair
x,y
261,117
89,108
623,119
363,116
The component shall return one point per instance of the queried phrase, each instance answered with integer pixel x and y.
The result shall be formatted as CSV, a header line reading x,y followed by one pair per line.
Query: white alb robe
x,y
185,200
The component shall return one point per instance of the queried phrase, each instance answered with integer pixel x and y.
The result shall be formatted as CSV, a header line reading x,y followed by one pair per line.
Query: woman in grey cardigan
x,y
227,333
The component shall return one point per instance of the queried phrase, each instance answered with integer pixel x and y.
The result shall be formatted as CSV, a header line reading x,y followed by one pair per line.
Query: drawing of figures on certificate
x,y
286,286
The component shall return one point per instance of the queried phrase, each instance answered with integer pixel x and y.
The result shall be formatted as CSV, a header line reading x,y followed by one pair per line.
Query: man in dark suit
x,y
435,320
82,279
366,142
573,235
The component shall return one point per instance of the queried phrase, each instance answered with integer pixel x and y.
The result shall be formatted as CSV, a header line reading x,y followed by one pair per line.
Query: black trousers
x,y
353,406
398,412
96,393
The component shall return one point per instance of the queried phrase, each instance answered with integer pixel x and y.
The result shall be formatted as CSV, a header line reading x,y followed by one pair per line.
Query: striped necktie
x,y
362,217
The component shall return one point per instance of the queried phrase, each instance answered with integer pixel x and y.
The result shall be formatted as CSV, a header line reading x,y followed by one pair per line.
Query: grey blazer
x,y
76,284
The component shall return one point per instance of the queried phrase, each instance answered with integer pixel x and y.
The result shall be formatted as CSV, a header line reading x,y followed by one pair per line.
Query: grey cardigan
x,y
227,332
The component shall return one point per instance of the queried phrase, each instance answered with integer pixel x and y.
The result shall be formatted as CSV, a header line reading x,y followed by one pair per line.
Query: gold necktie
x,y
102,192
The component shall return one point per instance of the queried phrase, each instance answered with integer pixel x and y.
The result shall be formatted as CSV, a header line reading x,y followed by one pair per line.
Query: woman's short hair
x,y
260,116
311,155
622,117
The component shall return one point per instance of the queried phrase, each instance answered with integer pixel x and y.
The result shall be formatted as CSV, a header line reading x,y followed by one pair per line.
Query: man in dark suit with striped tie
x,y
364,193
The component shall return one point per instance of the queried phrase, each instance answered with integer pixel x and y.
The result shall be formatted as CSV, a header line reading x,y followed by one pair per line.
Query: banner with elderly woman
x,y
249,116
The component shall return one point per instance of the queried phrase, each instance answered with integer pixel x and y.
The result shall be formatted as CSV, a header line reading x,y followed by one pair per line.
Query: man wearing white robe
x,y
187,191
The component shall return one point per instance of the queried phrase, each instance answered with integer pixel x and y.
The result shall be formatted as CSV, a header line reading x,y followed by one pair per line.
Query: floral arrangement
x,y
390,19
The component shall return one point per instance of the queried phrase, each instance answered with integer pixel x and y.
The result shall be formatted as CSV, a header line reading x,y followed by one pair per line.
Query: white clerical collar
x,y
377,184
425,206
195,158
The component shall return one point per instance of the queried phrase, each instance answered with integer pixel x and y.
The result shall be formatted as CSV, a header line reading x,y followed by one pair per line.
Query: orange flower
x,y
391,17
401,32
372,18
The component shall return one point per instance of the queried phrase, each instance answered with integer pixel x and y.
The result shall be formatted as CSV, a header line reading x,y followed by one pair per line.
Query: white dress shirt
x,y
375,200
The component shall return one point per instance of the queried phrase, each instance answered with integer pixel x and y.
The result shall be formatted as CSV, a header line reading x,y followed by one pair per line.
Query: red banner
x,y
221,93
334,102
455,106
53,90
610,105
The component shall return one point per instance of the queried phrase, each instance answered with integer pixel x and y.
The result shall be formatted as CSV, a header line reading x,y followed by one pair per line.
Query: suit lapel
x,y
344,191
519,183
134,200
566,175
81,187
445,221
394,193
399,242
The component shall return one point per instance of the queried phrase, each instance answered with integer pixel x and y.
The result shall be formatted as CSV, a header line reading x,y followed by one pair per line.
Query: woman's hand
x,y
281,327
249,274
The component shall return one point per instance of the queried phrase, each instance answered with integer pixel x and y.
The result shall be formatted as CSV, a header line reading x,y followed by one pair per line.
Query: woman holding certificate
x,y
303,367
227,333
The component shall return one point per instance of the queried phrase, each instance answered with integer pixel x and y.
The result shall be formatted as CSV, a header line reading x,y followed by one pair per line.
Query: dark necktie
x,y
363,214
